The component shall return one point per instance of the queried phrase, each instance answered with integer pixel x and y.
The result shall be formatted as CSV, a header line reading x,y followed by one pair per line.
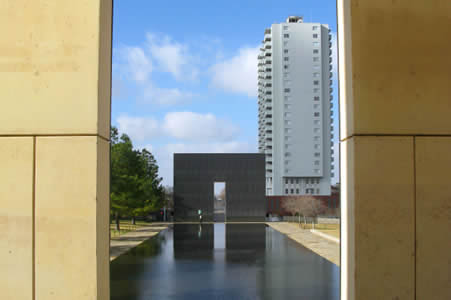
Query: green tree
x,y
135,186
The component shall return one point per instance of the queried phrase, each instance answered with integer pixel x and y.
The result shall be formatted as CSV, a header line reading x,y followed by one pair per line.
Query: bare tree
x,y
306,206
222,195
169,197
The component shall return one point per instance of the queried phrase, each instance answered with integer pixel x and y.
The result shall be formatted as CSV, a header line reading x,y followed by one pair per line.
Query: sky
x,y
185,73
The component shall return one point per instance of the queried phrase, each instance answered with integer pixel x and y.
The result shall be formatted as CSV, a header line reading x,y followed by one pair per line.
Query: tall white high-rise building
x,y
295,108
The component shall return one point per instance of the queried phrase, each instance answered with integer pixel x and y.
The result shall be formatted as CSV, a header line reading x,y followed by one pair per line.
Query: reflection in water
x,y
233,261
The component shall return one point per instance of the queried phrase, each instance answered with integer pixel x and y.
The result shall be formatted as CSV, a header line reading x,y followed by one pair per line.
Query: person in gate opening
x,y
200,215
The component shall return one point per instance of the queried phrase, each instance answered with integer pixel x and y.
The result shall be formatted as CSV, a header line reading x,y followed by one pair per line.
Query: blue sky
x,y
185,72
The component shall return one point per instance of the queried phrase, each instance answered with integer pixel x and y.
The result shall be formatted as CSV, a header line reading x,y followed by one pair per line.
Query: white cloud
x,y
239,73
138,65
138,128
165,96
199,127
189,126
172,57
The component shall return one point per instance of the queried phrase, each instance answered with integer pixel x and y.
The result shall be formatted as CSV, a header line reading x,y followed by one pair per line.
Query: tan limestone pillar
x,y
55,68
395,106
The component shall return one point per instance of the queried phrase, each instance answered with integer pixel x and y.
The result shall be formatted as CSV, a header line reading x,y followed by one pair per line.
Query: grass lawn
x,y
126,226
331,232
330,229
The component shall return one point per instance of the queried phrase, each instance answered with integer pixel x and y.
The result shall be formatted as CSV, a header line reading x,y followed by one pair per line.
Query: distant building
x,y
295,109
330,204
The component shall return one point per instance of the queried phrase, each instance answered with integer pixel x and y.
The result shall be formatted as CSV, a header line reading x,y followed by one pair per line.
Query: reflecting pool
x,y
222,261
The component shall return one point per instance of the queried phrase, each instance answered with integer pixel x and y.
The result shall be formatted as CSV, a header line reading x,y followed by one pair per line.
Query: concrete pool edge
x,y
319,245
123,243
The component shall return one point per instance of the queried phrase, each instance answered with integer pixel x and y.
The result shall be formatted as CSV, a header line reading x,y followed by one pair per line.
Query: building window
x,y
316,74
316,146
315,35
286,191
286,74
286,35
285,43
316,106
287,122
316,82
316,171
315,44
316,98
286,181
285,27
316,122
287,106
287,162
286,59
287,115
317,154
287,154
291,180
316,114
297,191
316,162
285,51
316,130
287,82
297,181
287,90
317,191
315,90
287,98
315,51
285,67
315,27
316,138
292,191
316,67
316,59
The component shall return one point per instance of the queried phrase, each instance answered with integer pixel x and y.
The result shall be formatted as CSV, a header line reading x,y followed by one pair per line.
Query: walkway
x,y
121,244
321,246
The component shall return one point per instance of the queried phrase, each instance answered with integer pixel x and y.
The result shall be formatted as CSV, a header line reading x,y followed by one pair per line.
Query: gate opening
x,y
220,205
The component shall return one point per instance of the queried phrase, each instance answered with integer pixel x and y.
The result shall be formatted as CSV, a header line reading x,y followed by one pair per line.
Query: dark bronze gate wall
x,y
194,177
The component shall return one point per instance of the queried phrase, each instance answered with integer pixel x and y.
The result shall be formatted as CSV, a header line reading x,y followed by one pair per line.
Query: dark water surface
x,y
233,261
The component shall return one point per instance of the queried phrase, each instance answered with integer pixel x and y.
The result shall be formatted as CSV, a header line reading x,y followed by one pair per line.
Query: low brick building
x,y
275,204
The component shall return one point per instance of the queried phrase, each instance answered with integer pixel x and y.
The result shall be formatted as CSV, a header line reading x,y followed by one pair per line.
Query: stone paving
x,y
121,244
321,246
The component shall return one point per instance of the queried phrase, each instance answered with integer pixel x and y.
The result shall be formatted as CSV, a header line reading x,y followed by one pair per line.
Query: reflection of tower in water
x,y
193,241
